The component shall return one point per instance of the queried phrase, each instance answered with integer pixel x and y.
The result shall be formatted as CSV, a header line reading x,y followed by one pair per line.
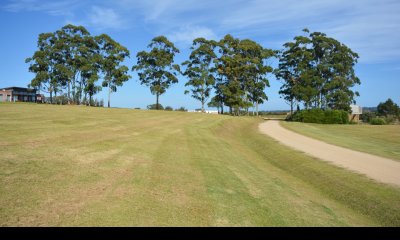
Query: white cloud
x,y
54,8
369,27
187,34
105,18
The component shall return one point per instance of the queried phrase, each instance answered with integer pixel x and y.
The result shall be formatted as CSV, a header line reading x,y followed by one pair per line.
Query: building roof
x,y
20,89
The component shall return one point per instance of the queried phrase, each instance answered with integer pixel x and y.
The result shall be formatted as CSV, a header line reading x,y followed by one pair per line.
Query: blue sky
x,y
368,27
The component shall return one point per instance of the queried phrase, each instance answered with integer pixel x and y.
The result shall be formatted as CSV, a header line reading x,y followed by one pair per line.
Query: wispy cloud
x,y
55,8
187,34
369,27
105,18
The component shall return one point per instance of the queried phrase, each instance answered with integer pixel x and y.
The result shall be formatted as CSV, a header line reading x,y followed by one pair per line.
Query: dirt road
x,y
381,169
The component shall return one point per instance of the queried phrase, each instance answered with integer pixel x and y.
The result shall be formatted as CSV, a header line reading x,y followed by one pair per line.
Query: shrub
x,y
389,119
320,116
182,109
154,107
168,108
368,116
378,121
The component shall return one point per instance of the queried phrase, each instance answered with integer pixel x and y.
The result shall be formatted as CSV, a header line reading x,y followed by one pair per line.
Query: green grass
x,y
80,166
281,116
378,140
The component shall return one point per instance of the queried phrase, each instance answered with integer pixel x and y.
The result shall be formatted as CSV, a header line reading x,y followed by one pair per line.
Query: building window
x,y
8,98
1,97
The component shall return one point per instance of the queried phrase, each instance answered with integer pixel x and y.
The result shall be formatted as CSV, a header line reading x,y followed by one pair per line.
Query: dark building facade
x,y
18,94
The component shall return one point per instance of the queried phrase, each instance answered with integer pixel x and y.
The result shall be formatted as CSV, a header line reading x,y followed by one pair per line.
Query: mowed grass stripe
x,y
120,167
378,140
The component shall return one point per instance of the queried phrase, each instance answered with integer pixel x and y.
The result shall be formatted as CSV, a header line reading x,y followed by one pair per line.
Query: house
x,y
356,111
206,111
18,94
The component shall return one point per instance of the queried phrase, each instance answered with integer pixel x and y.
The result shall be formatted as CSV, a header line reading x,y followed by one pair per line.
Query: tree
x,y
155,107
112,55
294,64
318,71
71,58
256,68
45,63
181,109
200,70
155,68
241,72
76,45
388,108
217,103
334,67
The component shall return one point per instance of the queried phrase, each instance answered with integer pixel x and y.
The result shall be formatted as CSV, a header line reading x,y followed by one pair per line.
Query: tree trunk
x,y
73,89
55,96
109,95
222,108
51,96
320,100
202,98
157,98
291,106
80,92
69,92
257,108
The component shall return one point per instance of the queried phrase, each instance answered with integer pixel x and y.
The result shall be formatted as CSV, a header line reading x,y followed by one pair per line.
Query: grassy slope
x,y
379,140
63,165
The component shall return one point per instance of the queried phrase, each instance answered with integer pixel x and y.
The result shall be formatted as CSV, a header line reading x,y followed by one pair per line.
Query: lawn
x,y
378,140
80,166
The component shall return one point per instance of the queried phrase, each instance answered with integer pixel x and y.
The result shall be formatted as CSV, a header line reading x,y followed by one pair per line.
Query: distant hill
x,y
369,109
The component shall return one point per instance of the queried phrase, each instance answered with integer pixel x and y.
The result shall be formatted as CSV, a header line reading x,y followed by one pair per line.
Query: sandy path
x,y
381,169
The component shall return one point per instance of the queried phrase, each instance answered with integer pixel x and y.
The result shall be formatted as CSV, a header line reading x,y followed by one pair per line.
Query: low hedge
x,y
320,116
377,121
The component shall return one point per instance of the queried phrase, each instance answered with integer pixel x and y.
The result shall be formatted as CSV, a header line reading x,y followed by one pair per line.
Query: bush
x,y
368,116
168,108
391,119
182,109
320,116
377,121
62,100
154,107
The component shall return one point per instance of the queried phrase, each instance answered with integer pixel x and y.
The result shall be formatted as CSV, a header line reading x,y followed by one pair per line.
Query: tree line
x,y
316,71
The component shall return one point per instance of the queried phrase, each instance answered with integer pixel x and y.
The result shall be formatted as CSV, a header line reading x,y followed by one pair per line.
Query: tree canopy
x,y
155,68
388,108
241,68
72,60
318,71
200,70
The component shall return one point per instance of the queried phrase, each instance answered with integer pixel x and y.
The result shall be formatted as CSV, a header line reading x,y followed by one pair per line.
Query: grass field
x,y
274,116
378,140
80,166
